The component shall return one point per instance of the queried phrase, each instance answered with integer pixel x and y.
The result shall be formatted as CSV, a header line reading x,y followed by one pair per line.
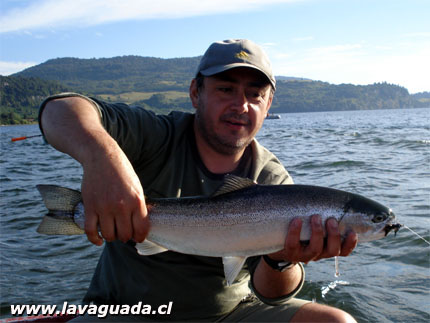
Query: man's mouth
x,y
236,121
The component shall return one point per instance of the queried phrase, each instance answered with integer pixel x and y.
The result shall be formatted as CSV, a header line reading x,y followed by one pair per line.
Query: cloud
x,y
62,13
7,68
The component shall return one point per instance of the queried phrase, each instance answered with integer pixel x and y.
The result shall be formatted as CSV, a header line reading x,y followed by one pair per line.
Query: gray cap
x,y
224,55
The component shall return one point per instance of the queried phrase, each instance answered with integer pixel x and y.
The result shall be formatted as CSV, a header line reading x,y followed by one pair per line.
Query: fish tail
x,y
58,225
60,202
57,198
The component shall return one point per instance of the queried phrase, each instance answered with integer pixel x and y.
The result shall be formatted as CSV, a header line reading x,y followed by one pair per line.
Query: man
x,y
126,151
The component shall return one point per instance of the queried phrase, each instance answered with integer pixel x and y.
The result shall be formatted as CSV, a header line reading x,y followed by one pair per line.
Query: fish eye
x,y
379,218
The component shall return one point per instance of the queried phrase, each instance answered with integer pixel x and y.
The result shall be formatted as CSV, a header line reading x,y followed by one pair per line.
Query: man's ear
x,y
194,93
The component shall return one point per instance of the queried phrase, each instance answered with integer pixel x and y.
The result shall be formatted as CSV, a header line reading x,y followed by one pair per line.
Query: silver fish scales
x,y
240,220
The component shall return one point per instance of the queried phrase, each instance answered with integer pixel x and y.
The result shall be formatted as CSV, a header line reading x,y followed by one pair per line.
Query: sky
x,y
337,41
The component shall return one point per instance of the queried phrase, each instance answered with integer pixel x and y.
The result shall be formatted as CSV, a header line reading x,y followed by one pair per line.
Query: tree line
x,y
151,81
21,96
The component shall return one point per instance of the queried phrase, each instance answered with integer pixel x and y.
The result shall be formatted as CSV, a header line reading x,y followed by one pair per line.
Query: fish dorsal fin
x,y
232,267
233,183
147,248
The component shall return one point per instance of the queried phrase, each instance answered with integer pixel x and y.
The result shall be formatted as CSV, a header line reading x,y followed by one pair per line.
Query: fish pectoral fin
x,y
147,248
233,183
232,267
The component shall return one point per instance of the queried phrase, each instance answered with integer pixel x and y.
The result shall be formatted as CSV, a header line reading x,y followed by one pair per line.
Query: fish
x,y
241,219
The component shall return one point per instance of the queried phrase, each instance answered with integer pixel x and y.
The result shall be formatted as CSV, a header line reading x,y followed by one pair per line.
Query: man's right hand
x,y
111,191
113,199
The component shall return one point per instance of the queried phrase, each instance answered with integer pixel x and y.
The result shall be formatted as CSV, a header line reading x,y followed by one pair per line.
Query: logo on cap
x,y
242,55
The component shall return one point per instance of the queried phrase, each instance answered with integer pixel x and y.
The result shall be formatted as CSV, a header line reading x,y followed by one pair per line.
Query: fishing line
x,y
422,238
336,266
333,285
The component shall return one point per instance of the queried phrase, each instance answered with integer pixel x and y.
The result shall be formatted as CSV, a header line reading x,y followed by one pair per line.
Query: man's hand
x,y
113,199
317,249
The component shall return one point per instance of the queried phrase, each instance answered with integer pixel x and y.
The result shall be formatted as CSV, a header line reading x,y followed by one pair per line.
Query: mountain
x,y
299,96
162,85
422,97
118,74
20,97
291,78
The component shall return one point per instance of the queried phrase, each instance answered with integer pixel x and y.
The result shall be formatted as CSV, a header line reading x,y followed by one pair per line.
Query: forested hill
x,y
21,96
314,96
118,74
162,85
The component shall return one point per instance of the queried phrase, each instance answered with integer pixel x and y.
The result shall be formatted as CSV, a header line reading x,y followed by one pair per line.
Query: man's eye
x,y
255,95
224,89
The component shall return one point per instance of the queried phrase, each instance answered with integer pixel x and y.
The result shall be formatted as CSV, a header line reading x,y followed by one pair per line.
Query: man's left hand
x,y
318,247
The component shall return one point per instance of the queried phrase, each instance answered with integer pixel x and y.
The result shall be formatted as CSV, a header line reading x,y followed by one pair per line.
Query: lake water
x,y
382,154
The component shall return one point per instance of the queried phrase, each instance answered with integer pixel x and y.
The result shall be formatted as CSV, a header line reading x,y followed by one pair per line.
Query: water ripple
x,y
381,154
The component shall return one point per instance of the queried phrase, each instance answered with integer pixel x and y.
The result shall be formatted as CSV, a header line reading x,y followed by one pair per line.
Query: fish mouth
x,y
392,227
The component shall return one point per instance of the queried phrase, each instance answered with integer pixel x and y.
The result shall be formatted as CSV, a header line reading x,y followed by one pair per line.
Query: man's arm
x,y
271,283
111,191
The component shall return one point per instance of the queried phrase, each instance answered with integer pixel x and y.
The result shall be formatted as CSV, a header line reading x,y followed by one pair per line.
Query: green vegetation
x,y
118,74
133,97
423,98
20,98
162,85
299,96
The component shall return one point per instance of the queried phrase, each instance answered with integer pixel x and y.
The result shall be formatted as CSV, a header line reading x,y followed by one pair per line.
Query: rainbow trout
x,y
240,220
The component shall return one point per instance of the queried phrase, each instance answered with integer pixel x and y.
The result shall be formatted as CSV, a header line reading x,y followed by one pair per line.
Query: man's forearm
x,y
72,125
271,283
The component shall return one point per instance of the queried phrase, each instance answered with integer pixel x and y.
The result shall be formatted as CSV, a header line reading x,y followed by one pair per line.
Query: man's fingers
x,y
119,223
320,245
91,228
333,239
349,244
107,227
316,243
293,235
123,227
292,247
296,251
141,223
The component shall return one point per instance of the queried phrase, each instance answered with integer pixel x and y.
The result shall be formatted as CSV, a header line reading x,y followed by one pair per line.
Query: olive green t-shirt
x,y
163,153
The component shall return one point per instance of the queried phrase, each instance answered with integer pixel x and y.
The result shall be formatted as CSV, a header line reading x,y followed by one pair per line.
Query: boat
x,y
273,116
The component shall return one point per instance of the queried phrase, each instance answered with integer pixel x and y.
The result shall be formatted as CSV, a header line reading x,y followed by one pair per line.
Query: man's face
x,y
231,107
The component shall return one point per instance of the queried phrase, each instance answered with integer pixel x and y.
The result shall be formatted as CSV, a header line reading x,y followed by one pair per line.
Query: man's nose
x,y
241,102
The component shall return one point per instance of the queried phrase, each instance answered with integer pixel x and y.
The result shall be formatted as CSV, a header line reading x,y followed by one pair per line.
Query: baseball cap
x,y
224,55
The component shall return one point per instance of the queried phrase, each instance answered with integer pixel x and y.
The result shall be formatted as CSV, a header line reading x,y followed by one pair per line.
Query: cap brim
x,y
219,69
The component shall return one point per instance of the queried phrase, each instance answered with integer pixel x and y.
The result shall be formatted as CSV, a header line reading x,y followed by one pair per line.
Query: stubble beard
x,y
222,145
